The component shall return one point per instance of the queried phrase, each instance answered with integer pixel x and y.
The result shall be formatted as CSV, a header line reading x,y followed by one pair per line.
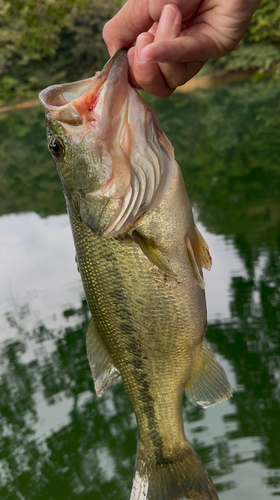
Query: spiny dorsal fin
x,y
103,368
151,251
208,384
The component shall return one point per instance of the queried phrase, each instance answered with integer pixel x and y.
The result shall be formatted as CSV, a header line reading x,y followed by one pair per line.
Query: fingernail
x,y
153,29
142,42
167,18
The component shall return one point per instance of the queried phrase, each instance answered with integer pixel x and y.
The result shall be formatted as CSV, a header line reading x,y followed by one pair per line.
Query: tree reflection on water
x,y
68,462
227,147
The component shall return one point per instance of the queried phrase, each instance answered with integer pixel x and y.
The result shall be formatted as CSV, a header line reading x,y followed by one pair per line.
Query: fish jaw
x,y
86,100
105,98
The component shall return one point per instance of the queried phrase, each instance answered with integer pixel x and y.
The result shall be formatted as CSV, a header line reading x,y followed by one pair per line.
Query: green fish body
x,y
140,256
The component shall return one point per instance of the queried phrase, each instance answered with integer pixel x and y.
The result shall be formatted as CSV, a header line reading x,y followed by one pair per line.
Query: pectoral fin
x,y
208,384
202,250
103,368
151,251
195,263
199,255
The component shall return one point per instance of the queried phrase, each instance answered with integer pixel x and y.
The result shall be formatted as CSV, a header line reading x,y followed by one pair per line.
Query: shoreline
x,y
207,81
20,105
201,82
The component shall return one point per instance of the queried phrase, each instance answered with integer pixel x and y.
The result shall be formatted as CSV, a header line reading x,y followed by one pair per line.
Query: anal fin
x,y
103,368
208,384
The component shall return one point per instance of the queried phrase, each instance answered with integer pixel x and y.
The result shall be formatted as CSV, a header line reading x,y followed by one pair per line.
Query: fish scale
x,y
116,298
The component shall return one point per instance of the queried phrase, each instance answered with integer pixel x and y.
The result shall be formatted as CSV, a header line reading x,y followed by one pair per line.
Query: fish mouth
x,y
119,136
82,102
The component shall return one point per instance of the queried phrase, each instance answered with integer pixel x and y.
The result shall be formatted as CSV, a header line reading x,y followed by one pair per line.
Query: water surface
x,y
57,439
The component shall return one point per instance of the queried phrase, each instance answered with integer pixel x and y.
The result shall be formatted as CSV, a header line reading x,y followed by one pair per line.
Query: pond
x,y
57,439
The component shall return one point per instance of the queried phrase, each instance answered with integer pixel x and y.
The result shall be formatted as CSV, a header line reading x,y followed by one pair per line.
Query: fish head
x,y
107,145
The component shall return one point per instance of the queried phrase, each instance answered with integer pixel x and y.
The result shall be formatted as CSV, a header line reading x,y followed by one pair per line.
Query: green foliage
x,y
247,56
265,23
29,180
47,41
260,47
30,30
88,49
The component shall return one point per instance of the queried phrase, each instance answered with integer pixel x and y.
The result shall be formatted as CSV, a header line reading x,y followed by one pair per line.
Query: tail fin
x,y
181,479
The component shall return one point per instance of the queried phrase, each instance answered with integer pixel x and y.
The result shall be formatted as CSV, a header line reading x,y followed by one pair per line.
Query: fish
x,y
140,256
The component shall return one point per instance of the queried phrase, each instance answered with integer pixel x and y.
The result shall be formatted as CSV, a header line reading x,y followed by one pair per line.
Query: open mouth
x,y
80,102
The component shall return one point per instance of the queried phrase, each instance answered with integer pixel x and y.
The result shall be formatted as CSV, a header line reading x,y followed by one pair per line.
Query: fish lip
x,y
62,108
116,57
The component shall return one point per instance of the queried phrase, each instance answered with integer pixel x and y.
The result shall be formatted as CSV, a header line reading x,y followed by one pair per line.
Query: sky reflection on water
x,y
57,439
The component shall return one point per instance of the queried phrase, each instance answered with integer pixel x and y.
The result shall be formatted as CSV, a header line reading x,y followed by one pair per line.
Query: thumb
x,y
123,29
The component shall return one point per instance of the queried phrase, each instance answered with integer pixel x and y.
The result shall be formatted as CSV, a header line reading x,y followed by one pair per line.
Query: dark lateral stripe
x,y
146,398
125,329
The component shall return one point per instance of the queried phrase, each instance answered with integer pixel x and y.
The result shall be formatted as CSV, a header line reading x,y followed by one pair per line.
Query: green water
x,y
57,439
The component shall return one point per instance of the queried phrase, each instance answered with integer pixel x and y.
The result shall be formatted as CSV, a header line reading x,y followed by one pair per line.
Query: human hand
x,y
174,40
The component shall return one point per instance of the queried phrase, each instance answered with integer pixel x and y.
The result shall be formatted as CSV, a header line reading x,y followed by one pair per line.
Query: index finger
x,y
123,29
134,18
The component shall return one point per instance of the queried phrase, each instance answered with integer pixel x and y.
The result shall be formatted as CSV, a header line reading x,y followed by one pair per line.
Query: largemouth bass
x,y
140,256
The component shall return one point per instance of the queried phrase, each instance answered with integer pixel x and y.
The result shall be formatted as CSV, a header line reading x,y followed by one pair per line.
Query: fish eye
x,y
56,146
